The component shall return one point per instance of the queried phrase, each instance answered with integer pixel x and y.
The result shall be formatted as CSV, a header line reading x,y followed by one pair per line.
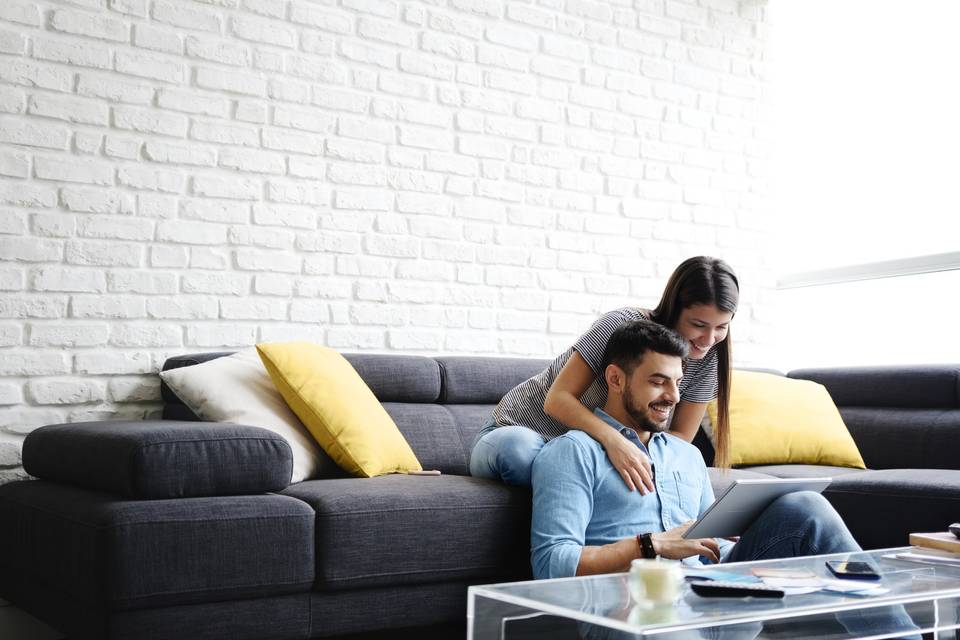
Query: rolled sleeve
x,y
563,477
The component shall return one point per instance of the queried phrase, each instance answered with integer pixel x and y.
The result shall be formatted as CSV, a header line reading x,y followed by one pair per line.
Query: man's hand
x,y
632,463
671,544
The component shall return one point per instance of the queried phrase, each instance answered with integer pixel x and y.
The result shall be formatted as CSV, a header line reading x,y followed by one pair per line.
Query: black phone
x,y
857,570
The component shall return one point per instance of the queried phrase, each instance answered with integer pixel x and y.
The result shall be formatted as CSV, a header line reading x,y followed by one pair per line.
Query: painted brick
x,y
150,179
34,363
89,171
141,282
74,280
183,307
107,307
231,81
33,134
316,68
157,39
85,54
93,25
47,392
113,363
186,16
103,254
223,51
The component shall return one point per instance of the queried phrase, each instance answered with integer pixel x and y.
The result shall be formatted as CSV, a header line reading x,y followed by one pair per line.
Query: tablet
x,y
743,501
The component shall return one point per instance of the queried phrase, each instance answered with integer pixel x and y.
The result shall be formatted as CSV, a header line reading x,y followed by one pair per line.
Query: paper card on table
x,y
795,574
794,583
711,574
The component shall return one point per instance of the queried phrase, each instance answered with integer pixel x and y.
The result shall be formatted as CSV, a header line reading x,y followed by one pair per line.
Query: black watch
x,y
646,546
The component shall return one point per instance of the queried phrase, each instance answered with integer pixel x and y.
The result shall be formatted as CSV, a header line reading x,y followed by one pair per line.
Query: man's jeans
x,y
505,453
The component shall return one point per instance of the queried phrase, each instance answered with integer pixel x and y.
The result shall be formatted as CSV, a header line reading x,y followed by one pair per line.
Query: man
x,y
586,521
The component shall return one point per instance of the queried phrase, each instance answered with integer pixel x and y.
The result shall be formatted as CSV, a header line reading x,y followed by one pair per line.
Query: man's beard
x,y
640,416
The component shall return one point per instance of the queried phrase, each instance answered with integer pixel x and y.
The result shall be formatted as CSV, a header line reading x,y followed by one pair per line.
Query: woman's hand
x,y
632,463
671,544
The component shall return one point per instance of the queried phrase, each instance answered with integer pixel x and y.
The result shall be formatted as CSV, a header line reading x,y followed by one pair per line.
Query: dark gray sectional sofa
x,y
182,529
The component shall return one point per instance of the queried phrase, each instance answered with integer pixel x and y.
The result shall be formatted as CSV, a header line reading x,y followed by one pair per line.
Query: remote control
x,y
724,589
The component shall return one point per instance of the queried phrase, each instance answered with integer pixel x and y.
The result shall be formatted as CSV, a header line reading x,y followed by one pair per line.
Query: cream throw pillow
x,y
237,389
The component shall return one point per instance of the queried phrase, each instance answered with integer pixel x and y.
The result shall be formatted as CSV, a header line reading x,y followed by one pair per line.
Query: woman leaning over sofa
x,y
698,302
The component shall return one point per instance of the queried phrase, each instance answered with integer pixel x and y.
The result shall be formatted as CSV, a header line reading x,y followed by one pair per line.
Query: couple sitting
x,y
616,487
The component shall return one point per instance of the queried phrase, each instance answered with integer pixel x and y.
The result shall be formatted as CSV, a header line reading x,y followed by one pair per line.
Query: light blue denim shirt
x,y
579,498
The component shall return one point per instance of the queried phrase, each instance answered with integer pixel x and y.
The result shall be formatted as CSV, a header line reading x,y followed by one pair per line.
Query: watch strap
x,y
646,546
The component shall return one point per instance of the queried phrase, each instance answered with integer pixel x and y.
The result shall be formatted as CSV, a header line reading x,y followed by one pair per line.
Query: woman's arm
x,y
687,418
563,405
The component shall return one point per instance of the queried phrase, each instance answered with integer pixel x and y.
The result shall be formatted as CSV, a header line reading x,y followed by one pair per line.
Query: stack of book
x,y
932,548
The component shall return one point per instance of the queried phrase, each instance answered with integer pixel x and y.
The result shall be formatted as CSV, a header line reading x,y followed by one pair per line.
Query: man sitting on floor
x,y
585,519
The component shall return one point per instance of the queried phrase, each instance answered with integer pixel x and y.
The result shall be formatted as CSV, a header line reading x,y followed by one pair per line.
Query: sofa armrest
x,y
160,459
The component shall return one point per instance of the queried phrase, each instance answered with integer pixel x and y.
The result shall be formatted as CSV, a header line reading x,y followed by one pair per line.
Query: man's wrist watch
x,y
646,546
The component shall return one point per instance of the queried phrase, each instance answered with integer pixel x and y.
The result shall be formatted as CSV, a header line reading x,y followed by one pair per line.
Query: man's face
x,y
650,391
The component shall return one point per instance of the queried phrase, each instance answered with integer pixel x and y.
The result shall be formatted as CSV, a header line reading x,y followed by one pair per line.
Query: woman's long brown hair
x,y
705,280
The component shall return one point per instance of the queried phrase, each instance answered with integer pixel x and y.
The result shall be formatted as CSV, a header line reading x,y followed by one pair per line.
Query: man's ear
x,y
616,378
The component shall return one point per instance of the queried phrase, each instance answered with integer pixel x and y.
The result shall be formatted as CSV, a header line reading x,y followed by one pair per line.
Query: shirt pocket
x,y
681,499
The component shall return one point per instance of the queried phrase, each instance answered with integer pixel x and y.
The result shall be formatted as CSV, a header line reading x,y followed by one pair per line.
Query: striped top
x,y
523,405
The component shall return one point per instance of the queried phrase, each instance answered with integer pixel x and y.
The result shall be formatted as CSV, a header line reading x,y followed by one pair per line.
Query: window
x,y
866,141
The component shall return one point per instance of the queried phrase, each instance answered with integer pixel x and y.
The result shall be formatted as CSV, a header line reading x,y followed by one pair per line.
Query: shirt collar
x,y
627,432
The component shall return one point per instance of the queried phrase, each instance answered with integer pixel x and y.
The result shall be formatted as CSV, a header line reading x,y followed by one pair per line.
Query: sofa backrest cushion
x,y
905,387
476,380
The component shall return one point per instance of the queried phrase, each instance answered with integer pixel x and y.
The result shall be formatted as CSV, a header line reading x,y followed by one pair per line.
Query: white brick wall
x,y
474,176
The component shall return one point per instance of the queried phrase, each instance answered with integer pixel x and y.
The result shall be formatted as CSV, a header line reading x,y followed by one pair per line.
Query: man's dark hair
x,y
627,344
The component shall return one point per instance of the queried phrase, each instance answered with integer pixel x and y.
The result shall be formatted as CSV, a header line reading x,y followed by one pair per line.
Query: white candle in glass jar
x,y
655,581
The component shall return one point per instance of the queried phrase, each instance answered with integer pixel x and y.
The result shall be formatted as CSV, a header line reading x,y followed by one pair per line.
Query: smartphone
x,y
857,570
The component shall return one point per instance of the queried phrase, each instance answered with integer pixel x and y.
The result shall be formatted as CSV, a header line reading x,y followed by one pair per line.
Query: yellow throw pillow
x,y
778,420
338,408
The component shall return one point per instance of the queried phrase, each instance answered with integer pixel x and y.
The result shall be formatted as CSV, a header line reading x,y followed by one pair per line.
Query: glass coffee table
x,y
922,599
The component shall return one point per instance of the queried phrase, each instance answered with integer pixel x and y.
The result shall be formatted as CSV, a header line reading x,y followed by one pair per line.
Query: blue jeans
x,y
798,524
505,453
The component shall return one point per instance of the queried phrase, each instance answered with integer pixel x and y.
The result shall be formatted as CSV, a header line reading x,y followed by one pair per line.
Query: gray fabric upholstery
x,y
902,386
473,380
469,418
160,459
882,508
400,529
348,612
277,617
398,378
140,553
432,434
892,438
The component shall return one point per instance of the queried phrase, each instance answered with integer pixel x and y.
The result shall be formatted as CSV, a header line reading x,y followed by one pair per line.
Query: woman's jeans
x,y
505,453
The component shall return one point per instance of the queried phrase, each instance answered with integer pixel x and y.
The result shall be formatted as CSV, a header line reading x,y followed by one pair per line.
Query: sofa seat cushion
x,y
124,554
402,529
803,470
882,508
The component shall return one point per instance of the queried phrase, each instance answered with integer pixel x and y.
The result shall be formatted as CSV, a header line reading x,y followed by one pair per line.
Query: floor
x,y
18,625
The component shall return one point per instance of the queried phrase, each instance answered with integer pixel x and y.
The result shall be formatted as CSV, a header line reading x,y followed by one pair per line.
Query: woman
x,y
698,302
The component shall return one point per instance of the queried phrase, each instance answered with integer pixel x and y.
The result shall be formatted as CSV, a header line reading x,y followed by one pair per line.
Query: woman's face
x,y
703,325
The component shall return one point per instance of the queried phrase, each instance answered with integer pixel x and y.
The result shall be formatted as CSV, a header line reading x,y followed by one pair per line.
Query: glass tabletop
x,y
605,600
